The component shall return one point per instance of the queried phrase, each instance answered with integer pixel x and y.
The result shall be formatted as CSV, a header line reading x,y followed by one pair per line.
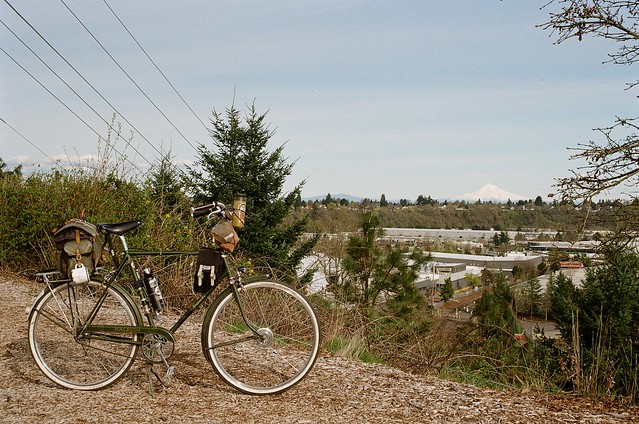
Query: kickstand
x,y
149,373
166,381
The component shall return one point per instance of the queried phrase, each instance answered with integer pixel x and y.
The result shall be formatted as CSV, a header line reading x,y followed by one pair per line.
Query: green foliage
x,y
4,172
532,295
363,256
610,294
501,239
561,291
240,162
460,215
165,186
495,310
472,280
446,291
31,207
600,322
379,275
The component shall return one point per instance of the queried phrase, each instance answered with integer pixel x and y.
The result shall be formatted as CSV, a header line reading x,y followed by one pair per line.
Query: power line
x,y
128,76
155,65
60,78
95,90
83,78
55,162
73,112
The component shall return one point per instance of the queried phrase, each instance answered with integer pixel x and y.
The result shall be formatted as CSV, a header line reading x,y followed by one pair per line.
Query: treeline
x,y
339,215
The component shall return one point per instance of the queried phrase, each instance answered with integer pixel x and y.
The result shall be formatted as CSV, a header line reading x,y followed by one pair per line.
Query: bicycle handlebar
x,y
210,208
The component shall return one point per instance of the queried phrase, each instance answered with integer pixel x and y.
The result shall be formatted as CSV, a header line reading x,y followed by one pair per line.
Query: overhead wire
x,y
154,64
71,110
55,162
85,80
109,125
127,75
92,87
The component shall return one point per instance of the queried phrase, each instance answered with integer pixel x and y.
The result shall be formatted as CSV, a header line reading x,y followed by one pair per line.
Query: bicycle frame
x,y
90,330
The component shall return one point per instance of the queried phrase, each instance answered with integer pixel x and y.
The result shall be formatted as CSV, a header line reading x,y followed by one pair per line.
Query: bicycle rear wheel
x,y
276,351
69,358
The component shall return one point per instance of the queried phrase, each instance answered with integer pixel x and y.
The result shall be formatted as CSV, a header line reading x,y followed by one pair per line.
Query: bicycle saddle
x,y
120,228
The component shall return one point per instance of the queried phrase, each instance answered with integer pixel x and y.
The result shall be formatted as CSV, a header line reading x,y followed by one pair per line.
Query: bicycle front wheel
x,y
70,358
270,347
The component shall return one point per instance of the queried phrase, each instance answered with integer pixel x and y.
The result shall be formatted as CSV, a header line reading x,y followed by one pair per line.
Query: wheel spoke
x,y
73,360
284,353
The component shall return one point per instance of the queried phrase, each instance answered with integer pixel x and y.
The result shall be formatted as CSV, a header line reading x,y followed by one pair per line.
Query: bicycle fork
x,y
265,335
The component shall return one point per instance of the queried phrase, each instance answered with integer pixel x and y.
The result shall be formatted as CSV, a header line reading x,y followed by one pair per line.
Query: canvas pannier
x,y
209,270
78,249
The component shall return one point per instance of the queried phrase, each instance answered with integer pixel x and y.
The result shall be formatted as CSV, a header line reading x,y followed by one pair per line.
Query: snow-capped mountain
x,y
491,193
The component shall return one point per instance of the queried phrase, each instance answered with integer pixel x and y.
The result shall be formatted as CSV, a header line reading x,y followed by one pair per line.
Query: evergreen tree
x,y
561,292
605,311
363,254
240,162
609,302
382,200
495,309
446,291
377,275
298,201
532,294
165,185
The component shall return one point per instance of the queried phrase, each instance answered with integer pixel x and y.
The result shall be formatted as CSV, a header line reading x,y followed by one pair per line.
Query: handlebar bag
x,y
224,235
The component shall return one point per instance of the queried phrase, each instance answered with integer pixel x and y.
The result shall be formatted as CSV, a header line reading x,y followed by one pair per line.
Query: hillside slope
x,y
337,390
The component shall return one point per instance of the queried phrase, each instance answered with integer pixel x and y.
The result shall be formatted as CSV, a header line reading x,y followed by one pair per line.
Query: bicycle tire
x,y
70,360
284,354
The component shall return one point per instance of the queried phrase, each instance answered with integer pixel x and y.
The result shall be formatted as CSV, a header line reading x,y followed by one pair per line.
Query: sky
x,y
403,98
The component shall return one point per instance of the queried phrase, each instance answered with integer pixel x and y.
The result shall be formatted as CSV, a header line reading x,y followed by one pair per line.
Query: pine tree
x,y
240,162
561,292
376,274
164,184
495,309
446,291
532,293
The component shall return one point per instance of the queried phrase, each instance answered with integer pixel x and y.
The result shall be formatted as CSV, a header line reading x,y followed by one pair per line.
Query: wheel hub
x,y
267,336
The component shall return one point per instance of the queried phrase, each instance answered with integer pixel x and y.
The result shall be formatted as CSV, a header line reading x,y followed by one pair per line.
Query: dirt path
x,y
337,390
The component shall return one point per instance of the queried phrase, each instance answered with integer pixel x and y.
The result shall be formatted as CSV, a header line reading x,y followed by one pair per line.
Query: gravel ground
x,y
336,390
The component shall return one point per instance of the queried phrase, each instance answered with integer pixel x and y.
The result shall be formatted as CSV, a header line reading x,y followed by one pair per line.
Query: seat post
x,y
125,246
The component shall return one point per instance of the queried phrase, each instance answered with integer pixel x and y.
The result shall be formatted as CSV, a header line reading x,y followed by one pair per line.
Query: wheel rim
x,y
284,349
68,359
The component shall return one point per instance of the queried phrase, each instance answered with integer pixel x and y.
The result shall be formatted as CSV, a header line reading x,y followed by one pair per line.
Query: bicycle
x,y
260,335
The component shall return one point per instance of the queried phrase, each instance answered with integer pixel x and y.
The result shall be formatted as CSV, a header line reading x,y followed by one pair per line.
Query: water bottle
x,y
153,290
